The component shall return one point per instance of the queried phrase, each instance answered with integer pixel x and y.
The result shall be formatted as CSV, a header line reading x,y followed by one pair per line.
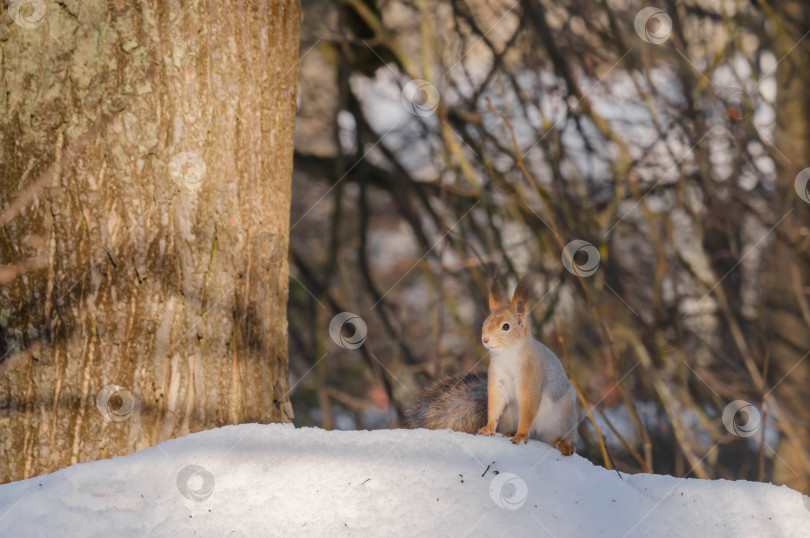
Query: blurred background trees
x,y
435,138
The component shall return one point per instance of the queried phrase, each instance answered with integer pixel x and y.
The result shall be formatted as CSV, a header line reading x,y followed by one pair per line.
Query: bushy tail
x,y
458,403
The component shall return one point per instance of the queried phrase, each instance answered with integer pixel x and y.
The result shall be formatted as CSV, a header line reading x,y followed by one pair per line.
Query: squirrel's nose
x,y
486,339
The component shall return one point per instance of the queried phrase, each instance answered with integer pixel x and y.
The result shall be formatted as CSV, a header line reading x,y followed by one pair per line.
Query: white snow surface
x,y
276,480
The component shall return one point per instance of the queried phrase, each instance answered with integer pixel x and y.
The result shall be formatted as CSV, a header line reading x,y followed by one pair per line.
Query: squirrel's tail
x,y
458,403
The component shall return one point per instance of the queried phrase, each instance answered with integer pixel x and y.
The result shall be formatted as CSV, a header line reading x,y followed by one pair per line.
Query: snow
x,y
275,480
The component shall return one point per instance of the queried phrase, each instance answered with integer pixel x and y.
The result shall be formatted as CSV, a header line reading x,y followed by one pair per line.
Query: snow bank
x,y
274,480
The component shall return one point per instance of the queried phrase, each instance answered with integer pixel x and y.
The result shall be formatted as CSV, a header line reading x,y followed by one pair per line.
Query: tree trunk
x,y
145,171
787,288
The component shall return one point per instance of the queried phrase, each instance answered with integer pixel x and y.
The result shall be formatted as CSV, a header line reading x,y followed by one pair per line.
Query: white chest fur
x,y
508,367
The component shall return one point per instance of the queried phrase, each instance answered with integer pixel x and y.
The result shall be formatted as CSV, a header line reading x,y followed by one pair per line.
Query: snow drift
x,y
275,480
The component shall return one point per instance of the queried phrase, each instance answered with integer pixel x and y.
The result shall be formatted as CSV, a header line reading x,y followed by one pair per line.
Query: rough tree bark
x,y
145,168
787,282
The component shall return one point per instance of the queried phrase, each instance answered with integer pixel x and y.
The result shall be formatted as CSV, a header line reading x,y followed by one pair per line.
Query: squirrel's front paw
x,y
489,429
520,437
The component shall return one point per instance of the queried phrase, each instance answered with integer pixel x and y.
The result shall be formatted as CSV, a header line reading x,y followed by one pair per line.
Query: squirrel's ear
x,y
496,297
523,295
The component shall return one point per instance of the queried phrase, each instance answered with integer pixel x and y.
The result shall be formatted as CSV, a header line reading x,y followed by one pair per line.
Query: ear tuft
x,y
521,310
496,296
524,293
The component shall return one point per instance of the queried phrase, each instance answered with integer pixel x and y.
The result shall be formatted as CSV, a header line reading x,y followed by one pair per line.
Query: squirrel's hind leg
x,y
568,426
565,448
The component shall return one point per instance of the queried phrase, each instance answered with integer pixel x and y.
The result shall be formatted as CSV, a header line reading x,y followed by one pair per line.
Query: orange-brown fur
x,y
518,366
528,402
515,313
521,369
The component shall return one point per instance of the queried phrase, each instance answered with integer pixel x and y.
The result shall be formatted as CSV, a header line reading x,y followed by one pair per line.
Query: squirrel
x,y
525,391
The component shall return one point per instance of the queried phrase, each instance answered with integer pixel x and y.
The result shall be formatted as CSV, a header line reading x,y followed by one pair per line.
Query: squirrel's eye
x,y
505,327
